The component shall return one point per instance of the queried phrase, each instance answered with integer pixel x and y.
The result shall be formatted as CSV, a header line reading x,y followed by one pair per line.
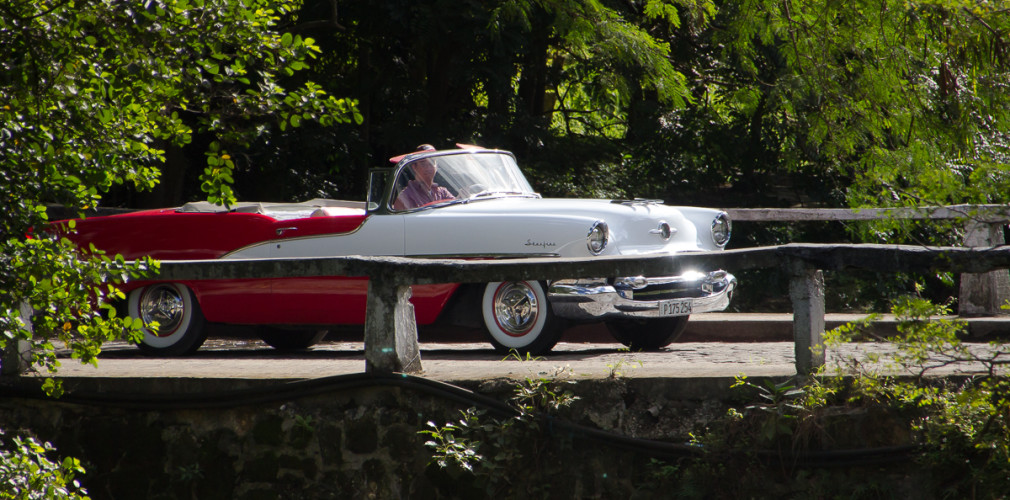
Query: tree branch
x,y
332,22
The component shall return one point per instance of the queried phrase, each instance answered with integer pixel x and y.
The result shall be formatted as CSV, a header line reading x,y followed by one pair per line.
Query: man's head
x,y
424,170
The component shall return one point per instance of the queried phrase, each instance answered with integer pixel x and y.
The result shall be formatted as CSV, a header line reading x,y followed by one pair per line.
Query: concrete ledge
x,y
766,327
715,348
778,327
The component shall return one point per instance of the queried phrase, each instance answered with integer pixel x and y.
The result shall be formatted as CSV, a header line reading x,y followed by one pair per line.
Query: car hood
x,y
560,226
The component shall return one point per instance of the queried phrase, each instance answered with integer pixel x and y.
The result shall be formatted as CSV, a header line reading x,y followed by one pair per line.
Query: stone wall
x,y
333,439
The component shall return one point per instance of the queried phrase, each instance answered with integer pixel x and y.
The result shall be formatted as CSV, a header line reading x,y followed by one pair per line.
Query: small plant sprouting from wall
x,y
617,368
481,454
869,427
948,435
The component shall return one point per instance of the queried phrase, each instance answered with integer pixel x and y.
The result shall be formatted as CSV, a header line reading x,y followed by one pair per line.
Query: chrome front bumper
x,y
640,297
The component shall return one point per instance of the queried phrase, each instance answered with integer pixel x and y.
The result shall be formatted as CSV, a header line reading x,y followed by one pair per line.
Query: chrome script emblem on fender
x,y
540,244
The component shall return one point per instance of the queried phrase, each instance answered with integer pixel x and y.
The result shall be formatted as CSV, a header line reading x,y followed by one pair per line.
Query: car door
x,y
330,300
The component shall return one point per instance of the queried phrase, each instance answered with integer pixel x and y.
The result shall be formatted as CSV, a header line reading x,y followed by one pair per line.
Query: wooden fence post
x,y
983,294
806,291
390,329
17,356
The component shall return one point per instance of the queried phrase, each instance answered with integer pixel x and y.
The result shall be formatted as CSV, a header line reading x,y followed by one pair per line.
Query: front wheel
x,y
647,334
181,326
518,317
288,339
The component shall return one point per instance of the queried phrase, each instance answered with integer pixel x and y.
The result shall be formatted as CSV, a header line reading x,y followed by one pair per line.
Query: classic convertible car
x,y
469,203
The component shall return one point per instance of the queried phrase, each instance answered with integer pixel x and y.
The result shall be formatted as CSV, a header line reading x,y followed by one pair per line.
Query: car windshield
x,y
457,178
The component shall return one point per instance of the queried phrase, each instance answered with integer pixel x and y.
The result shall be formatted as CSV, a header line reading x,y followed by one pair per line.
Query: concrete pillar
x,y
806,291
390,329
983,294
17,355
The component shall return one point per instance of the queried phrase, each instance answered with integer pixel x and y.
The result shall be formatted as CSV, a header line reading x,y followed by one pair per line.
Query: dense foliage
x,y
27,471
933,432
865,426
772,103
478,455
96,94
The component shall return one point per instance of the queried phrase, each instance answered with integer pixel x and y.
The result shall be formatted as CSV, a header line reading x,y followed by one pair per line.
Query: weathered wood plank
x,y
980,294
391,335
900,258
992,214
983,294
388,308
883,258
806,292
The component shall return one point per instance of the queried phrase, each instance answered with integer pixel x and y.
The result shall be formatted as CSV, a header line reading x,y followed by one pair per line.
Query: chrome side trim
x,y
483,256
281,241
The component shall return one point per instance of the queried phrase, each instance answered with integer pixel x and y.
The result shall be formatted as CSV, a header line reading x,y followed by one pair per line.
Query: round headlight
x,y
721,229
598,237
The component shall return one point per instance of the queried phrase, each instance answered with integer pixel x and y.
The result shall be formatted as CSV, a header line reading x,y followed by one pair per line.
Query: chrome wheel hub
x,y
515,308
163,304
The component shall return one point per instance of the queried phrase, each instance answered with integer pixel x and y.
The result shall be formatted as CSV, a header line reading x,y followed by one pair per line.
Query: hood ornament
x,y
637,201
664,230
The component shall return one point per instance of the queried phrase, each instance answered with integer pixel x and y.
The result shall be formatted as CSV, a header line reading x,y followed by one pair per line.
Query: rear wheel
x,y
181,326
290,339
647,334
518,317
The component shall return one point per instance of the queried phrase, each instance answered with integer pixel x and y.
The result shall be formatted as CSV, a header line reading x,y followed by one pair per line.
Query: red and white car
x,y
482,208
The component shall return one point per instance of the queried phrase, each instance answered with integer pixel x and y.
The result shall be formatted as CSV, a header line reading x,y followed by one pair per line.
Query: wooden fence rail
x,y
391,333
980,294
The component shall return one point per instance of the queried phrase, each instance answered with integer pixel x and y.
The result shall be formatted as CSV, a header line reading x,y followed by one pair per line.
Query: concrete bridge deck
x,y
716,347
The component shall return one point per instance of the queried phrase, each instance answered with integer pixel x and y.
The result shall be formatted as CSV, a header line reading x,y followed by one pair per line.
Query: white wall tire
x,y
518,317
181,325
648,334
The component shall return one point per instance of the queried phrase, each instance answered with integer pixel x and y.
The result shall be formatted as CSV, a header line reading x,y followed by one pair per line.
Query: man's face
x,y
424,170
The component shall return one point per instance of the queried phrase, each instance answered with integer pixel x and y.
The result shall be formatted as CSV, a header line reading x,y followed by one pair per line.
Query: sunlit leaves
x,y
596,61
67,294
902,95
961,423
28,471
487,447
217,177
92,94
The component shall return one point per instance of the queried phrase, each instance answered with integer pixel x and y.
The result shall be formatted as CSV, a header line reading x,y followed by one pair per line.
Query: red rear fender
x,y
169,235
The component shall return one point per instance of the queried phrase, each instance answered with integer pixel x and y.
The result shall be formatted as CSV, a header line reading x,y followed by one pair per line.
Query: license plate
x,y
678,307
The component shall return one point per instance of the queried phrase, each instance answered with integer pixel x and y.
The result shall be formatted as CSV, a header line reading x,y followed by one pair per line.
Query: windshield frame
x,y
506,181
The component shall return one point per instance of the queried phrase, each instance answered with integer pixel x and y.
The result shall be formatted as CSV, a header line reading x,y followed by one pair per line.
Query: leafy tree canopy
x,y
899,102
91,94
771,103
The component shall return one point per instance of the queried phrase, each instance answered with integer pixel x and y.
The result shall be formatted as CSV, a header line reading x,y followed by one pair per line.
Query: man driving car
x,y
422,189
